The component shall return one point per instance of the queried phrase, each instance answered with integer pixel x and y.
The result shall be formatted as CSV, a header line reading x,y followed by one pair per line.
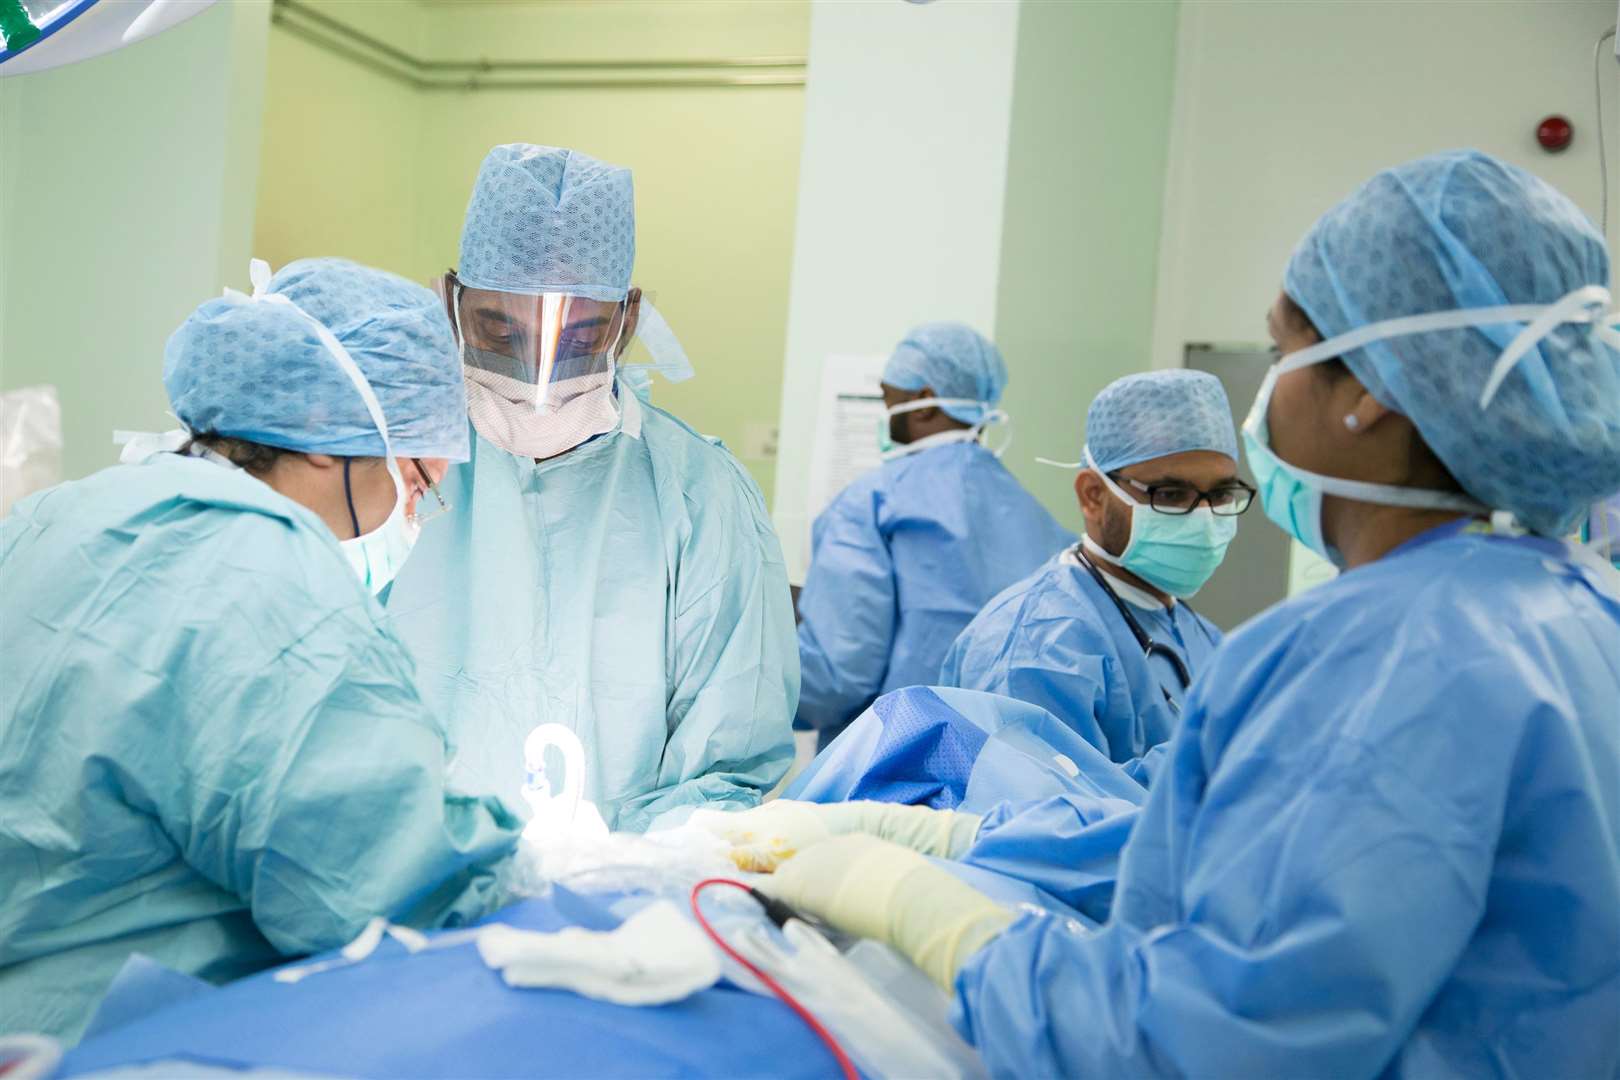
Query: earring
x,y
1352,422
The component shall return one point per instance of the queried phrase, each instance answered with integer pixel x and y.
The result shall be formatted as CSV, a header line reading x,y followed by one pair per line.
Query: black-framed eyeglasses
x,y
1228,499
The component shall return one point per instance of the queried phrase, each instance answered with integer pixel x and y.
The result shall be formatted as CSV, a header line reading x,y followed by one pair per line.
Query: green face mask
x,y
1174,552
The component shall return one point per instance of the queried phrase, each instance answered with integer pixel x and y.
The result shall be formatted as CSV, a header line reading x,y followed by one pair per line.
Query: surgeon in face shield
x,y
540,368
606,567
215,752
1102,636
1384,838
905,556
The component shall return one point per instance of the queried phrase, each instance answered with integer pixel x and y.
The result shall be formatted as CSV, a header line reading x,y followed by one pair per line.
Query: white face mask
x,y
377,556
575,410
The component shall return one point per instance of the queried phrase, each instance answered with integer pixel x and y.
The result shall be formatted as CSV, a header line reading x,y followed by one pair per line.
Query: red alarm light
x,y
1555,134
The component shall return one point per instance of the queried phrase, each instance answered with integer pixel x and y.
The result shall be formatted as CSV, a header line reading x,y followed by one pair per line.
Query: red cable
x,y
771,984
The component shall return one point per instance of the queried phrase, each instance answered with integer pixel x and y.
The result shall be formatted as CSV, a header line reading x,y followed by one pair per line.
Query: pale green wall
x,y
1080,237
906,129
342,149
614,29
120,211
359,166
716,177
1257,81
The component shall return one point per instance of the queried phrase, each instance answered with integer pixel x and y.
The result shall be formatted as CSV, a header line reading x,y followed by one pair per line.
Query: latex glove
x,y
764,836
876,889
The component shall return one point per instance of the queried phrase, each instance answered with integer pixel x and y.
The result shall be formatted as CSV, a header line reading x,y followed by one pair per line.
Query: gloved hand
x,y
876,889
762,837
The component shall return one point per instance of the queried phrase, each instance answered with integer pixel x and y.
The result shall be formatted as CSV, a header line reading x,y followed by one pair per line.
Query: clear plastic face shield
x,y
545,349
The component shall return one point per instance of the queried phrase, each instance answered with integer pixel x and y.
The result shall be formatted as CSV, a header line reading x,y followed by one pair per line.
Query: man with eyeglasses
x,y
1101,636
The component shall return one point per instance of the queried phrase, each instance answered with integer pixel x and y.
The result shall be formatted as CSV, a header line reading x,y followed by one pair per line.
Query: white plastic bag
x,y
30,443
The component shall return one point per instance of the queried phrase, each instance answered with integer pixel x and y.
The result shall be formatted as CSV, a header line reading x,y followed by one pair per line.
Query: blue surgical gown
x,y
949,748
900,562
1056,640
212,750
631,589
1387,842
1056,812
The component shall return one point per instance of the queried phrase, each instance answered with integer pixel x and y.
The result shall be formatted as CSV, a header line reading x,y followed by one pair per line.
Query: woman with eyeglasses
x,y
212,749
1102,636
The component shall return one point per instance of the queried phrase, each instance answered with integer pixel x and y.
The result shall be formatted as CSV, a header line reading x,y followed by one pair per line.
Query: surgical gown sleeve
x,y
313,785
1018,648
1067,845
734,668
848,611
1292,898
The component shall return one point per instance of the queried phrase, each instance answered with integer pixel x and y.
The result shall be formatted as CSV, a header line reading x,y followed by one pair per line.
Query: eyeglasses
x,y
1227,500
421,517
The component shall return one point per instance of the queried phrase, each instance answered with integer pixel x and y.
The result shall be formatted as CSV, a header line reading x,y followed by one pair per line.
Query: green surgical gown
x,y
632,590
212,750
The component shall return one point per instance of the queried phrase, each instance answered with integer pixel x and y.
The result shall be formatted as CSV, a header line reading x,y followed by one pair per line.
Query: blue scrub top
x,y
1385,843
900,562
1057,640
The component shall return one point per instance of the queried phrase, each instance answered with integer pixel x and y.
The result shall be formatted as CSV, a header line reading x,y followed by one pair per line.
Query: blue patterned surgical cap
x,y
954,361
544,219
1158,413
1464,230
257,370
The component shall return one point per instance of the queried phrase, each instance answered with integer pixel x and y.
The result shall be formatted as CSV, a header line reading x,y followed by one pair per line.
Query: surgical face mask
x,y
887,425
377,556
575,410
1292,496
1176,553
891,451
1292,502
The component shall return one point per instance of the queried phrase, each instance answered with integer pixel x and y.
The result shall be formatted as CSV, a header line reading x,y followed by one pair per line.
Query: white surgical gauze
x,y
656,956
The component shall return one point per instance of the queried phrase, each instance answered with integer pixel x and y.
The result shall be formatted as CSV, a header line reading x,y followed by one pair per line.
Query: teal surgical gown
x,y
212,751
1056,640
1386,843
900,562
631,589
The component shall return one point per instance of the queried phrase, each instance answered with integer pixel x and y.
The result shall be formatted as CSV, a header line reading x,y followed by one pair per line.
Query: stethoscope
x,y
1150,648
